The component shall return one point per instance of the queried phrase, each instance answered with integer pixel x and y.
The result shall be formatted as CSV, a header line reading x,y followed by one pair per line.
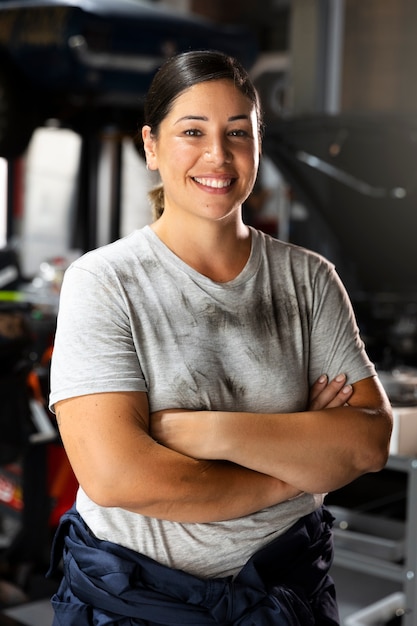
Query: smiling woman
x,y
184,72
212,122
217,157
210,386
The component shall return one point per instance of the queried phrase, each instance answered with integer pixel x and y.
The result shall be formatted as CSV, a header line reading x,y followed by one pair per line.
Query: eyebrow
x,y
203,118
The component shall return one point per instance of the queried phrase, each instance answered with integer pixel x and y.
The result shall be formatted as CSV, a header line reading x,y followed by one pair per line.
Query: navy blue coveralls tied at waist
x,y
286,583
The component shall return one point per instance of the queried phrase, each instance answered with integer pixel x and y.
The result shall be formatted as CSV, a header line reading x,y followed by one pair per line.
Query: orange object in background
x,y
62,485
61,482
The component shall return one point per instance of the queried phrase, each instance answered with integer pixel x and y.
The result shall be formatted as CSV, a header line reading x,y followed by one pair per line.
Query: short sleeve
x,y
336,345
93,350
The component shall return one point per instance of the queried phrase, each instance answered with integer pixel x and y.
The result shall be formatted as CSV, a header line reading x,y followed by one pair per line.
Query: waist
x,y
189,547
286,582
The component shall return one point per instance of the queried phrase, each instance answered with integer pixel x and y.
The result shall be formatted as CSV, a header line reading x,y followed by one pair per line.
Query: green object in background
x,y
11,296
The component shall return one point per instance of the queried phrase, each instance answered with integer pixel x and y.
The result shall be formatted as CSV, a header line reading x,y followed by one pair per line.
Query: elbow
x,y
373,455
101,495
111,494
103,489
107,497
375,461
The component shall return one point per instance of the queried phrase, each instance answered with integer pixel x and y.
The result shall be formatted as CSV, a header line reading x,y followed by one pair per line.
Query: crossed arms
x,y
190,466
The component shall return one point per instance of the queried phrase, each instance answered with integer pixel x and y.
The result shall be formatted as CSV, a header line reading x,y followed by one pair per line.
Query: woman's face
x,y
207,150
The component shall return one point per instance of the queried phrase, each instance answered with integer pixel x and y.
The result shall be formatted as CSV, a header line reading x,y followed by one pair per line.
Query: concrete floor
x,y
357,591
37,613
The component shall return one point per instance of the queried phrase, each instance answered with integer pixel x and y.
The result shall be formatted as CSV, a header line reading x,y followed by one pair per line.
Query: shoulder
x,y
110,262
291,255
112,254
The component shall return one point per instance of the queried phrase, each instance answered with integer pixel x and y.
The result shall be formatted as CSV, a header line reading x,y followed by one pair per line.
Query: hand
x,y
328,395
185,431
178,429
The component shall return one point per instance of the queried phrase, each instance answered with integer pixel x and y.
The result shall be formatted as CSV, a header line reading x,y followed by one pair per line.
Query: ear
x,y
149,145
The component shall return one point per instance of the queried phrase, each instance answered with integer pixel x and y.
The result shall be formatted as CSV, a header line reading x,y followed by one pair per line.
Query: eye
x,y
193,132
238,132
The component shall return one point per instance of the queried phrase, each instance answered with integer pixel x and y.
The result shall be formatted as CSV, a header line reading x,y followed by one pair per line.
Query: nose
x,y
217,151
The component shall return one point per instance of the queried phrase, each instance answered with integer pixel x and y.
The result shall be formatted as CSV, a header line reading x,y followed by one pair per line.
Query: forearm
x,y
168,485
118,464
214,491
318,451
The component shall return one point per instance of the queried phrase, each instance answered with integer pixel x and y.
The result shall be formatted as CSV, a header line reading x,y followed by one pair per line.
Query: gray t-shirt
x,y
135,317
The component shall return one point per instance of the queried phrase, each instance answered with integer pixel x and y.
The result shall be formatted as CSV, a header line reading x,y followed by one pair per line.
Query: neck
x,y
219,251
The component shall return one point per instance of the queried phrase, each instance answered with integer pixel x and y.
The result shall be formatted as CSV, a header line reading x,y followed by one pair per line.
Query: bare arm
x,y
119,465
317,451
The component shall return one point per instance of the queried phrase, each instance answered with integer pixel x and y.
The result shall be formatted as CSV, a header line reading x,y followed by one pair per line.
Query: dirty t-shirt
x,y
135,317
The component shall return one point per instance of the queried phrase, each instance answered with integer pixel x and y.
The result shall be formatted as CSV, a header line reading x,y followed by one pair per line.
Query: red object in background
x,y
62,486
11,496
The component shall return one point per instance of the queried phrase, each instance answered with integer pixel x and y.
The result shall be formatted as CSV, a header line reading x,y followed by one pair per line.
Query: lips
x,y
214,183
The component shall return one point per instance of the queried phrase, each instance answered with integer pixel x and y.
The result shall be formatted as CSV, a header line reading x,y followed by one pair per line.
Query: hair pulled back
x,y
178,74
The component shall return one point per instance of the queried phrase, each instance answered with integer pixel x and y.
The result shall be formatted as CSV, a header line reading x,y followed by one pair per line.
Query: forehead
x,y
213,96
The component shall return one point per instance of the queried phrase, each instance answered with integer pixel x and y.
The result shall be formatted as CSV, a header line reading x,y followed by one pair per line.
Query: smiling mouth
x,y
215,183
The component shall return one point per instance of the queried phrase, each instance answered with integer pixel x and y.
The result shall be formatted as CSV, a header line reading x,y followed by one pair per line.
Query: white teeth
x,y
214,182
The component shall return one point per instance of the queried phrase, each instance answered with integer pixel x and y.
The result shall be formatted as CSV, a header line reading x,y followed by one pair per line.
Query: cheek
x,y
179,157
249,155
252,164
174,169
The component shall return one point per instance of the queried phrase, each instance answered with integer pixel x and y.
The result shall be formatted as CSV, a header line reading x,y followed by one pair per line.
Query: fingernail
x,y
347,389
340,377
323,378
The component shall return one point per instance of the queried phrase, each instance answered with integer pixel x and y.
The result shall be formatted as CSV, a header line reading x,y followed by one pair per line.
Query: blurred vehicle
x,y
89,62
354,177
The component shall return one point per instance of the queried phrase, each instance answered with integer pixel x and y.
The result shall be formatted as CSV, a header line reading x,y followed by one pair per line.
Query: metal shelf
x,y
368,565
406,572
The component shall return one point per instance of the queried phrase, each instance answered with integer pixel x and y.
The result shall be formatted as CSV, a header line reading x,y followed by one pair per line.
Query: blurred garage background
x,y
337,80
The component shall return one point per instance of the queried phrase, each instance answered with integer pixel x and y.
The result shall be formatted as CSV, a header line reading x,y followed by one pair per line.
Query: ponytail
x,y
156,198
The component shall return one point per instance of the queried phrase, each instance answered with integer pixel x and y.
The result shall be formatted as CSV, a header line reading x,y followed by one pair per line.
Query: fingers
x,y
326,395
318,387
